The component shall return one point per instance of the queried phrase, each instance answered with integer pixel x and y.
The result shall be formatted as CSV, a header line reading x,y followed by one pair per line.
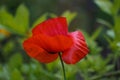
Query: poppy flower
x,y
51,37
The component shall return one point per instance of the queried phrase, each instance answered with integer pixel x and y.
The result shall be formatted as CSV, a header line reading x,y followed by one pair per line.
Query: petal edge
x,y
52,27
77,51
38,53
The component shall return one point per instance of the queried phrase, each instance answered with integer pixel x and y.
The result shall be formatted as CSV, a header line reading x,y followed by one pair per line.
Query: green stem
x,y
62,66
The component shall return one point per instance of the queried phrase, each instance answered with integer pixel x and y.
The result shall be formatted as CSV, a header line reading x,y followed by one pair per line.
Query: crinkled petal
x,y
35,51
52,27
53,44
77,51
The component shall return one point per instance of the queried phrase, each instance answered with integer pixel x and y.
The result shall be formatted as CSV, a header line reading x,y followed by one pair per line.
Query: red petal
x,y
53,44
77,51
38,53
51,27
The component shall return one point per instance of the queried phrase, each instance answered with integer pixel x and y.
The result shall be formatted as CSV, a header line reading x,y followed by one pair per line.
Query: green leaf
x,y
8,48
25,68
96,33
52,15
83,65
116,7
22,18
4,73
39,20
104,22
69,15
93,46
7,20
17,24
111,33
109,67
1,71
15,61
53,65
16,75
108,39
4,33
104,5
117,27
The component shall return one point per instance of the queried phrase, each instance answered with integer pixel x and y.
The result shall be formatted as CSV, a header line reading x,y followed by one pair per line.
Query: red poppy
x,y
51,37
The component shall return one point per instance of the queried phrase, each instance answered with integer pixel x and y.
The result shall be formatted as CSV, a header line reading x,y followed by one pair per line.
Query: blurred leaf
x,y
8,48
15,61
39,20
83,65
52,15
118,44
116,7
111,33
25,69
96,33
16,75
19,24
7,19
98,64
32,77
4,32
114,47
22,18
54,65
117,28
71,70
105,5
109,67
1,71
40,72
69,15
106,23
92,44
108,39
5,73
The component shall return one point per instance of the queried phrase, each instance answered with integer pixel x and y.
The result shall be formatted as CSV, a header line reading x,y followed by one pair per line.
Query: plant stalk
x,y
63,67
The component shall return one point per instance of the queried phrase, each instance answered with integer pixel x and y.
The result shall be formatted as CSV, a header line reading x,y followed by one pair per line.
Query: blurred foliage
x,y
18,23
16,65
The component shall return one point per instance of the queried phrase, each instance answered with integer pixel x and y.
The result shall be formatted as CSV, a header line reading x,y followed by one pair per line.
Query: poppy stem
x,y
62,66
